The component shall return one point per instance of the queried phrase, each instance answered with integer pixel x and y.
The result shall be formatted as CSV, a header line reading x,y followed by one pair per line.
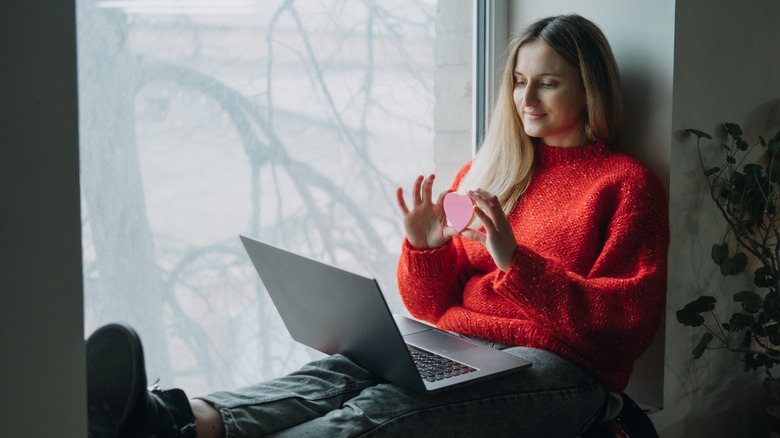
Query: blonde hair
x,y
504,163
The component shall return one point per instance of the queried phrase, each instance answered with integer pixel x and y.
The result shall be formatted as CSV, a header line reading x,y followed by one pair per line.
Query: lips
x,y
534,116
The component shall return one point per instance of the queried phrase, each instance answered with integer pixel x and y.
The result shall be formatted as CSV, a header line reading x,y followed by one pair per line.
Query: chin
x,y
535,133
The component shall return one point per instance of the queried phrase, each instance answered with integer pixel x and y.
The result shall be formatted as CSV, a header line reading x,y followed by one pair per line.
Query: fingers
x,y
488,208
416,197
486,220
422,190
399,194
421,193
474,235
499,238
427,188
485,200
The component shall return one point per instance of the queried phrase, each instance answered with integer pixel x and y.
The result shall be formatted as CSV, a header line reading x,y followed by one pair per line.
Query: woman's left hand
x,y
498,237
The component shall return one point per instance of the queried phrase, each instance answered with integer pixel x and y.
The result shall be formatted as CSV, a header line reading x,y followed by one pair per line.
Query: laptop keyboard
x,y
433,367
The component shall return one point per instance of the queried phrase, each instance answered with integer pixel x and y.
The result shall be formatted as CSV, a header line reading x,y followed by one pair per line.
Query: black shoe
x,y
635,421
631,422
120,406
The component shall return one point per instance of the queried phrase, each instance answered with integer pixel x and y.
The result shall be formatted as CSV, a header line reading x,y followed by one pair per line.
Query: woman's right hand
x,y
425,224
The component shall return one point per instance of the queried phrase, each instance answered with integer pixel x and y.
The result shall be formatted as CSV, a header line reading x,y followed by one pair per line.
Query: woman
x,y
565,266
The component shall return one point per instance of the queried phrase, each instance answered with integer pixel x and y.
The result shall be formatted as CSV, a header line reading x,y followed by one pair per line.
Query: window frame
x,y
491,34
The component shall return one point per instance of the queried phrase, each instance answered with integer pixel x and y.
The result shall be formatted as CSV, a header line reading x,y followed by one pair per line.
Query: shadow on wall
x,y
723,398
738,400
639,139
765,120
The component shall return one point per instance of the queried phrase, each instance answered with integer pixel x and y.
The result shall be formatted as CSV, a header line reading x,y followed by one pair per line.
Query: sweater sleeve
x,y
431,281
621,299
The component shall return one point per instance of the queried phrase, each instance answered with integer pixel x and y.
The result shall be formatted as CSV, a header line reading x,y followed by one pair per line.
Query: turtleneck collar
x,y
547,155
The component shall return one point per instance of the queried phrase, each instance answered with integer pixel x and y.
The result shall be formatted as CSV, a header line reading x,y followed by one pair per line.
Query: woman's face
x,y
549,96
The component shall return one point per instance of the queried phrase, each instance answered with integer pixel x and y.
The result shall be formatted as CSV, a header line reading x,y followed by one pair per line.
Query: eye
x,y
546,85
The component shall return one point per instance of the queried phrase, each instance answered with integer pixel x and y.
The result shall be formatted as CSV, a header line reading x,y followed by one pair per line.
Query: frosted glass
x,y
288,121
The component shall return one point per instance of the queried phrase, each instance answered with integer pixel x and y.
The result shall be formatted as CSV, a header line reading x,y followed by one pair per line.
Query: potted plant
x,y
745,187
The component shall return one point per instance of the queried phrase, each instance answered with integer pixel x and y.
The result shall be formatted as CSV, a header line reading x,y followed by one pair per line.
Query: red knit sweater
x,y
588,280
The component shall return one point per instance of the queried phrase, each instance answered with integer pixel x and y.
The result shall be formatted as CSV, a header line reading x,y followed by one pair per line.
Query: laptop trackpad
x,y
440,342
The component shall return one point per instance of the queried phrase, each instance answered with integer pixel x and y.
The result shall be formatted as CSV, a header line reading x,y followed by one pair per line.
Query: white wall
x,y
42,370
641,34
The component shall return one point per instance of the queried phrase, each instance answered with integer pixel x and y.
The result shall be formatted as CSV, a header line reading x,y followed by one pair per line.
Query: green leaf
x,y
771,309
720,253
763,277
731,160
747,339
740,321
774,146
712,171
702,345
751,301
734,265
755,169
738,179
774,172
691,319
733,129
740,261
771,208
690,314
698,134
773,334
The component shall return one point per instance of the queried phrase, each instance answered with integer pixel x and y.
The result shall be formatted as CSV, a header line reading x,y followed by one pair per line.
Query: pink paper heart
x,y
459,210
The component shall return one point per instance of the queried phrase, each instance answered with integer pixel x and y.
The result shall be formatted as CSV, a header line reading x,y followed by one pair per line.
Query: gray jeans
x,y
333,397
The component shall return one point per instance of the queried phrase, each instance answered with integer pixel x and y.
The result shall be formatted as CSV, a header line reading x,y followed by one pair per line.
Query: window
x,y
290,121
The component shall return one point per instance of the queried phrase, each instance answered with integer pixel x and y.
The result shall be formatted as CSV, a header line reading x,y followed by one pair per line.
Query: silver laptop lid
x,y
311,298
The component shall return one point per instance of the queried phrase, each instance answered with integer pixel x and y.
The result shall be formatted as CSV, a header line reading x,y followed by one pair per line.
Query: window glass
x,y
289,121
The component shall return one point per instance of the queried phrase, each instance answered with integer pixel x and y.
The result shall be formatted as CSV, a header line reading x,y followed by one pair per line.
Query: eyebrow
x,y
517,73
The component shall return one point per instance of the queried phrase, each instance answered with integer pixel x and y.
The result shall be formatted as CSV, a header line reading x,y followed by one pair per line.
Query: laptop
x,y
339,312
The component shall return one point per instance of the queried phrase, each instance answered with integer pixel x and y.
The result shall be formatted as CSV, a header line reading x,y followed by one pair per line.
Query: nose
x,y
529,96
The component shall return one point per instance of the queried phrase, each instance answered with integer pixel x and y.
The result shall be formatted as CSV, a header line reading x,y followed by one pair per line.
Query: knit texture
x,y
588,280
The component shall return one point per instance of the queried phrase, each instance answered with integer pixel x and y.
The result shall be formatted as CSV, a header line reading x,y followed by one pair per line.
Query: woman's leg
x,y
120,404
336,398
208,421
552,398
313,391
118,401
